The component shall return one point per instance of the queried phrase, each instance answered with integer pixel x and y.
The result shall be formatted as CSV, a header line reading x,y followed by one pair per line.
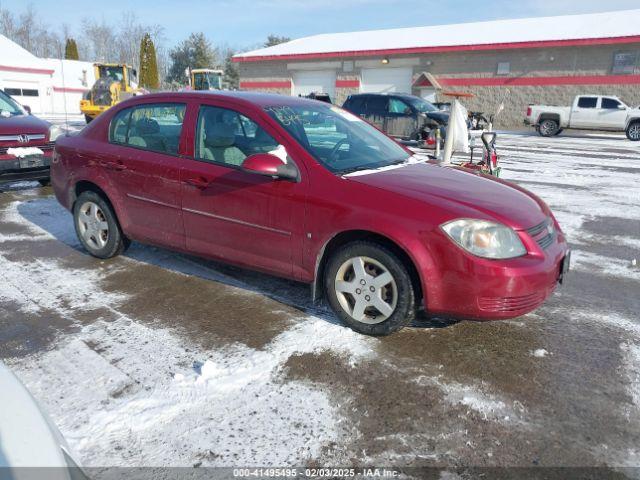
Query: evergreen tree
x,y
71,50
194,52
275,40
148,64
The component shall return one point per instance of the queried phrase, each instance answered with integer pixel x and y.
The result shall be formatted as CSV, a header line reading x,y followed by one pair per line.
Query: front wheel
x,y
370,289
633,131
548,128
97,227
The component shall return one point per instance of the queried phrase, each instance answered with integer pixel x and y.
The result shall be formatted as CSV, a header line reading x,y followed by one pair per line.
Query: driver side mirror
x,y
27,109
270,166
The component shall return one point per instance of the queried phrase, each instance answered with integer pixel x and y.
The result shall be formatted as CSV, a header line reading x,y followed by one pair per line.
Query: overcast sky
x,y
246,23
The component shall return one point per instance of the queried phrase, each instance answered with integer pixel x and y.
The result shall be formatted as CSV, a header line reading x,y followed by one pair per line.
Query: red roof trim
x,y
7,68
538,81
442,49
266,84
355,83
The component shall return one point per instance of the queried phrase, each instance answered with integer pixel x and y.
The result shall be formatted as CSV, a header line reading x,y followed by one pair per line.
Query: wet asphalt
x,y
559,387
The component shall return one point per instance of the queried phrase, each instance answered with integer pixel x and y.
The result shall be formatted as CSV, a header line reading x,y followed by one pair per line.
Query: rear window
x,y
587,102
154,127
377,105
355,104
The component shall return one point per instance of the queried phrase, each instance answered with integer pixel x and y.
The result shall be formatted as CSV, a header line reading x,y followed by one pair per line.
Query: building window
x,y
22,92
504,68
624,63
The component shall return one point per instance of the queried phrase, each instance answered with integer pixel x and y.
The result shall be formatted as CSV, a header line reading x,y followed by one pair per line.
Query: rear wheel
x,y
97,227
548,128
370,289
633,131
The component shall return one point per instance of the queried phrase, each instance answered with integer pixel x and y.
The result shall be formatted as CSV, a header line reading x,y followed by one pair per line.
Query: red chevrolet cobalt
x,y
305,190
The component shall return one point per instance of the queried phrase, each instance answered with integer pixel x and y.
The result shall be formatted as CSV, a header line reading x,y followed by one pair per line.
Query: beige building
x,y
511,62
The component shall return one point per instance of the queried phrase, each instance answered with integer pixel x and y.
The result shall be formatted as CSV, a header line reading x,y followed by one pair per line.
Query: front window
x,y
114,72
339,140
207,81
228,137
611,103
421,105
8,106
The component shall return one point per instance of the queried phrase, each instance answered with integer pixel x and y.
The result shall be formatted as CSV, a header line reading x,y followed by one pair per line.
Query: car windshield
x,y
421,105
8,106
339,140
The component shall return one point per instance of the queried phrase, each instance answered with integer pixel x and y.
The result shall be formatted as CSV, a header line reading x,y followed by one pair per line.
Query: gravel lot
x,y
161,359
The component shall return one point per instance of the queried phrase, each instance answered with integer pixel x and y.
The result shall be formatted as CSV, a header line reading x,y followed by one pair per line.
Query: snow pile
x,y
540,353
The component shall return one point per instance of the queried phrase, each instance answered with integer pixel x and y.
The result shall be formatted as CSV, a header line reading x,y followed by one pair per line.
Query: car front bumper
x,y
473,288
33,167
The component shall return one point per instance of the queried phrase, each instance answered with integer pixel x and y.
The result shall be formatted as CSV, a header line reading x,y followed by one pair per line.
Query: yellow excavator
x,y
115,82
205,79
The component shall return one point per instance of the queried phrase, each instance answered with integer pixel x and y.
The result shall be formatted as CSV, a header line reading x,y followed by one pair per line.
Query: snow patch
x,y
158,402
46,285
540,353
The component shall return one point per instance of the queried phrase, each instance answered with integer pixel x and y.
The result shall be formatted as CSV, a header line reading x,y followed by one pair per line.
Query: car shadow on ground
x,y
47,214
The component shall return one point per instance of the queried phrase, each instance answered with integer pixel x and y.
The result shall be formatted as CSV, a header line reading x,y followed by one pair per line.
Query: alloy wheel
x,y
634,131
366,290
548,127
93,225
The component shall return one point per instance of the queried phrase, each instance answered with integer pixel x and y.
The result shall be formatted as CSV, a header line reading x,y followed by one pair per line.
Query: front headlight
x,y
55,132
485,239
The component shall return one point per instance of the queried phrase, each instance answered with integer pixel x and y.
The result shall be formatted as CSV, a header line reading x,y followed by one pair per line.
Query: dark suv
x,y
401,116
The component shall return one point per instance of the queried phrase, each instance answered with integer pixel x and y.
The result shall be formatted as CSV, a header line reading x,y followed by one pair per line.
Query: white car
x,y
588,112
30,444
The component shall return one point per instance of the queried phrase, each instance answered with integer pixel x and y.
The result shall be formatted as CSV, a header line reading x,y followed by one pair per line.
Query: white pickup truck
x,y
588,112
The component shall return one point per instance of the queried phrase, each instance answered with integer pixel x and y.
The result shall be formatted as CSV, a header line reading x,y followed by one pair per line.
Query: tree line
x,y
141,45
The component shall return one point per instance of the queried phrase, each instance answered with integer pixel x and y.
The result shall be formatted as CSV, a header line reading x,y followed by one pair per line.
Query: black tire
x,y
633,131
548,127
115,242
45,182
88,119
559,131
405,308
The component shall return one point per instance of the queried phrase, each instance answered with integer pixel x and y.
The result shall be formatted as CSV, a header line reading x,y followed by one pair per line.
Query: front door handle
x,y
200,183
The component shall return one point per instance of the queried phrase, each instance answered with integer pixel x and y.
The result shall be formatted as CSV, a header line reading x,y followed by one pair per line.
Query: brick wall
x,y
461,68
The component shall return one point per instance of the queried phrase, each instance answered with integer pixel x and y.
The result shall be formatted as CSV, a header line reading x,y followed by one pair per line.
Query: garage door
x,y
318,81
378,80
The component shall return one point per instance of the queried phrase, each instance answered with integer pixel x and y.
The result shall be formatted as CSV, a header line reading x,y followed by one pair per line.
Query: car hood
x,y
463,192
22,124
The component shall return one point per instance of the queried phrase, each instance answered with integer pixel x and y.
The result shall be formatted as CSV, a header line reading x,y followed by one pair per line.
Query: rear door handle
x,y
200,183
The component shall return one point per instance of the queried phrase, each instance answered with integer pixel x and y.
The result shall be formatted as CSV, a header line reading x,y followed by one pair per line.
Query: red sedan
x,y
26,143
305,190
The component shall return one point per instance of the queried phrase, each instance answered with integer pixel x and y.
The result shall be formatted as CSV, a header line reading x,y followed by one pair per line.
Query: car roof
x,y
384,94
250,98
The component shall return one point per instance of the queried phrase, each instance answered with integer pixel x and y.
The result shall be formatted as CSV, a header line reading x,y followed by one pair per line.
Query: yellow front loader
x,y
205,79
115,82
